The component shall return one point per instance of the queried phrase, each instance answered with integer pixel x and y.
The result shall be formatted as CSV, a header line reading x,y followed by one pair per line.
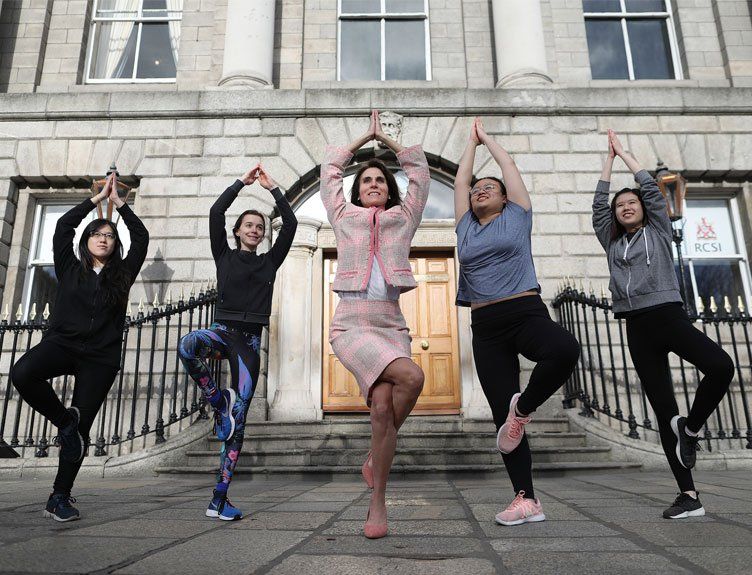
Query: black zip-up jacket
x,y
245,280
81,321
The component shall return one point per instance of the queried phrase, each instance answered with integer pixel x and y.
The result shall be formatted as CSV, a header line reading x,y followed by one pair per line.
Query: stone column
x,y
249,44
293,399
519,44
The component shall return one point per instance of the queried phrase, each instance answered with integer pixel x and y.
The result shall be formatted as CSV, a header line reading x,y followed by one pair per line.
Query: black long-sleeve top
x,y
81,320
245,280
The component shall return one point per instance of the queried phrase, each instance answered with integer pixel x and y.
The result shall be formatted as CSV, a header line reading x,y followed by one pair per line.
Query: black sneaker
x,y
70,440
60,509
686,445
684,506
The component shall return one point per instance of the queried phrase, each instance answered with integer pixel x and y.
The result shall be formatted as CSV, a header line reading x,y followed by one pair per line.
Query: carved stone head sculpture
x,y
391,123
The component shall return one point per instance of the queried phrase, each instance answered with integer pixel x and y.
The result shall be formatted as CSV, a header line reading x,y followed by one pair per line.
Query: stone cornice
x,y
86,104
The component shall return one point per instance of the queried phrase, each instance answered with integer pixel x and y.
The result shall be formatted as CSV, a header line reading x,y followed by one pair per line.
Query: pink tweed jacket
x,y
365,233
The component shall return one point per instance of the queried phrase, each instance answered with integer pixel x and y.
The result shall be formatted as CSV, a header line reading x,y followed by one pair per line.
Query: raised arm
x,y
516,189
602,218
65,230
464,178
282,244
655,204
217,232
139,236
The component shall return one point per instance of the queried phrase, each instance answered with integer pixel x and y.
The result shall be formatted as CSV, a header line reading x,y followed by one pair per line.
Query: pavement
x,y
596,523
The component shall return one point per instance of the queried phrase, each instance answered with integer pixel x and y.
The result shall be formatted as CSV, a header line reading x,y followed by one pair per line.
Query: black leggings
x,y
93,381
503,330
651,336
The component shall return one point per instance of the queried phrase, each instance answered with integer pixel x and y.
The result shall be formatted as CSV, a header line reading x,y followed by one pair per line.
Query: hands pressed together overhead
x,y
258,173
109,191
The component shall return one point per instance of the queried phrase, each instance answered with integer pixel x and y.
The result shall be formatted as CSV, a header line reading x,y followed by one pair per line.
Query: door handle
x,y
424,344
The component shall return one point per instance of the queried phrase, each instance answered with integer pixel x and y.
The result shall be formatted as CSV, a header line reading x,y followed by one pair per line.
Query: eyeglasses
x,y
99,235
488,188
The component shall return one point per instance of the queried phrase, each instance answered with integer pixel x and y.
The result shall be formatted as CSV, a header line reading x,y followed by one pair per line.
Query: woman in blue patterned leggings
x,y
245,281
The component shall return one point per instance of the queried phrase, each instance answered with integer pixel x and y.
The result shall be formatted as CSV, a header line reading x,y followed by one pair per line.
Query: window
x,y
716,263
440,205
631,40
134,40
41,282
383,40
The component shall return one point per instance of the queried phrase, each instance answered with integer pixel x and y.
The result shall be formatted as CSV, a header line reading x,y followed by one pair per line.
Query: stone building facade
x,y
268,81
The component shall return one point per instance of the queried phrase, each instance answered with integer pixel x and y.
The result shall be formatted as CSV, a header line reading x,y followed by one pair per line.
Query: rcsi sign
x,y
708,230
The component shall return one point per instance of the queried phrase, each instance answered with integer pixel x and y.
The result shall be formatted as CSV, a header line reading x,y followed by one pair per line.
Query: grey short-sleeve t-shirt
x,y
496,259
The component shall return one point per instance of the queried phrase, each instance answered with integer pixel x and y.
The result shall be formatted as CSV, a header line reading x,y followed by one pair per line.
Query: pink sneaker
x,y
520,511
510,434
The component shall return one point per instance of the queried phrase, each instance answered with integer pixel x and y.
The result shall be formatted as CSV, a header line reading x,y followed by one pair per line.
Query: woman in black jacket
x,y
245,281
85,334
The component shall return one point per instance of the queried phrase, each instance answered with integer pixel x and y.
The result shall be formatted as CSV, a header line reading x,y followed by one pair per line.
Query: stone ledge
x,y
223,103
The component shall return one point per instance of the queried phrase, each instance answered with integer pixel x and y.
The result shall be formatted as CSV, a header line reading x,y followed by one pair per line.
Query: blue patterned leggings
x,y
241,348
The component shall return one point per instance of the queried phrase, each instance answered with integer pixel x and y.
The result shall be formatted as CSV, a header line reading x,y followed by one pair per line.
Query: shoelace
x,y
517,425
518,501
66,501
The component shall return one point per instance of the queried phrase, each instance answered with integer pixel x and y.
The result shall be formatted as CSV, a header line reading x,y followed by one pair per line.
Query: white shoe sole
x,y
230,518
675,429
532,519
696,513
212,514
46,513
216,515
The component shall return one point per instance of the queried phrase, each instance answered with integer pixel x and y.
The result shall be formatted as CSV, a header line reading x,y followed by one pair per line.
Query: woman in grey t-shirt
x,y
497,280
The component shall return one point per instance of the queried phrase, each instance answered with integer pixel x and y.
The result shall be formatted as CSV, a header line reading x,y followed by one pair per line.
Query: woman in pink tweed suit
x,y
368,332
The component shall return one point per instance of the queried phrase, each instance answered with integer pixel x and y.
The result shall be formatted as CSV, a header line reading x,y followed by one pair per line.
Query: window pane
x,y
158,55
43,288
608,60
117,8
114,50
361,6
361,50
155,8
718,278
646,5
405,50
601,6
651,51
397,6
440,204
708,230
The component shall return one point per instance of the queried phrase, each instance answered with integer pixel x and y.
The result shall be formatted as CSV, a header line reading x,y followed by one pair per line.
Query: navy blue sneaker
x,y
60,509
224,422
72,446
221,508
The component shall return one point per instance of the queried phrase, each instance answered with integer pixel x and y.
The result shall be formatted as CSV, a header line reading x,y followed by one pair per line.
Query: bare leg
x,y
392,399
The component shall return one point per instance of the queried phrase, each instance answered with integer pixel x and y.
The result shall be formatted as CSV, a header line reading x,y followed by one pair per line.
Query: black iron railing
x,y
606,385
151,396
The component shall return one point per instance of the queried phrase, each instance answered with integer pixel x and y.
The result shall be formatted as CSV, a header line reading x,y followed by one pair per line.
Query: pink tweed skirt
x,y
366,336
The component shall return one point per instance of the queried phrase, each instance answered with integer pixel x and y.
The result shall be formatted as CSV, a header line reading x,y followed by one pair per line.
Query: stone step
x,y
414,424
304,470
407,456
362,441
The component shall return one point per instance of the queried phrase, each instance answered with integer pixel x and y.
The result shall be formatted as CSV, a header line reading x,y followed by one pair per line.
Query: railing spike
x,y
155,303
130,308
182,293
6,312
192,293
713,306
603,292
19,313
700,306
33,312
726,304
169,297
740,304
46,312
141,305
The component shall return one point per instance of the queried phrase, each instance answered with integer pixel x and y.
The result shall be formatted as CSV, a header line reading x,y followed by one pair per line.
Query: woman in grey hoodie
x,y
635,231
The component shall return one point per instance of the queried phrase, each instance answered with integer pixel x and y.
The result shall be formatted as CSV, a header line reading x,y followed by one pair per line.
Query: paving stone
x,y
555,544
399,512
718,560
199,555
57,555
140,527
349,565
678,532
440,527
393,546
299,521
310,506
547,529
593,563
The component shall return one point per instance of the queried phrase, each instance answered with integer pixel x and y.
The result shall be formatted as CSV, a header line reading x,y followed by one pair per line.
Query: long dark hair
x,y
393,198
239,222
617,230
116,280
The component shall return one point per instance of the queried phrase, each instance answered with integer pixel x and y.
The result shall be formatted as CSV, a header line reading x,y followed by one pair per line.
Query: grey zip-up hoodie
x,y
642,270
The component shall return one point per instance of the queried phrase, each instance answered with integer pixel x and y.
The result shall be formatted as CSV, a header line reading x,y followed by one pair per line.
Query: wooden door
x,y
431,316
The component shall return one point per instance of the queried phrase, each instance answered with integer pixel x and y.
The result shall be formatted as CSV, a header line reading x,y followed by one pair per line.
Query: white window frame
x,y
139,20
740,256
623,15
382,17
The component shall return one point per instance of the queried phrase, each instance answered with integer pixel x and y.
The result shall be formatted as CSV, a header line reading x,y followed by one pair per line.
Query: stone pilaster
x,y
249,44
